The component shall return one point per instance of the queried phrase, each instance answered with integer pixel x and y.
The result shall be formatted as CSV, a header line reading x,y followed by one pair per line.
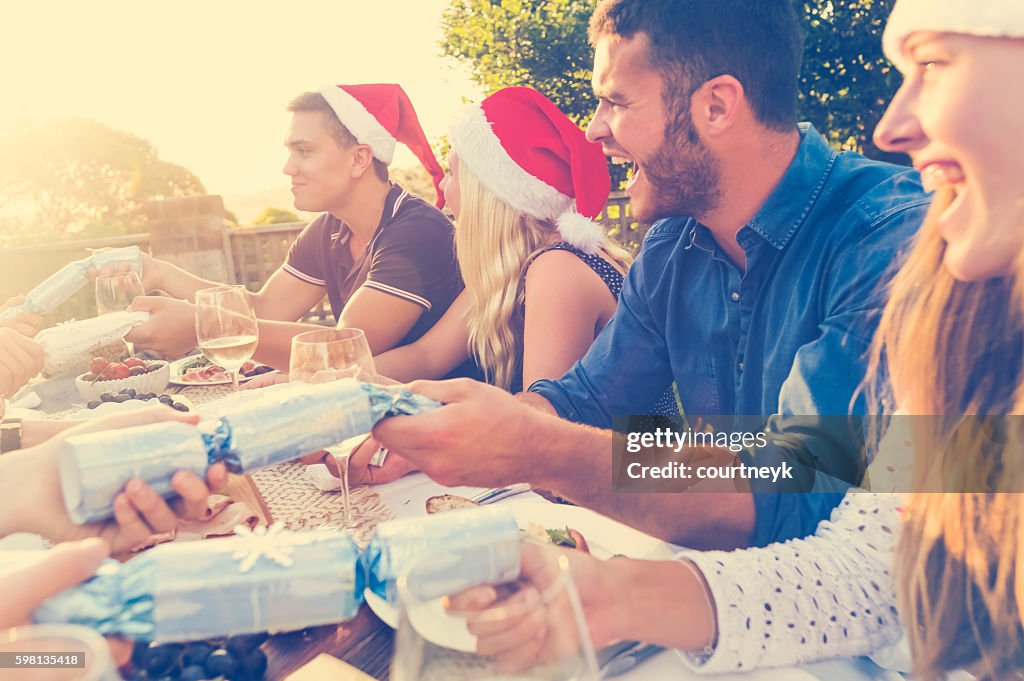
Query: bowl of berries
x,y
114,377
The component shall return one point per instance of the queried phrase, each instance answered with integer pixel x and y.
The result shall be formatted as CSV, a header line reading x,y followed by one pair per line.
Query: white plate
x,y
108,408
176,372
606,538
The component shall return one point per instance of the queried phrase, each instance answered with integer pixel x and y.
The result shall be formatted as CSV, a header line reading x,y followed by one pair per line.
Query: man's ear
x,y
716,104
362,160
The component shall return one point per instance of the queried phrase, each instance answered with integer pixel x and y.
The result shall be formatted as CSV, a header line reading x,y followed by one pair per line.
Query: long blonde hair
x,y
951,349
494,242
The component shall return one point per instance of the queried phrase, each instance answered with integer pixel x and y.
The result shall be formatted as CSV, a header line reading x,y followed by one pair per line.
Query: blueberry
x,y
120,399
179,406
193,672
106,397
139,653
161,659
255,662
131,392
149,396
221,663
196,654
166,399
245,642
93,404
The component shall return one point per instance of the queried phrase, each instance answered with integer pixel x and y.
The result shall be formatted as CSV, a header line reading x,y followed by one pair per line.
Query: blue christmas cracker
x,y
449,552
249,435
70,279
258,581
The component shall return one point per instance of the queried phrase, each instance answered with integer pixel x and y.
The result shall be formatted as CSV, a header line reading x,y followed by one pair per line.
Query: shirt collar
x,y
796,193
340,231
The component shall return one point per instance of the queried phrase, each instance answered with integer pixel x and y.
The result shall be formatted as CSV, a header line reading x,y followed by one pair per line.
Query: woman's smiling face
x,y
960,116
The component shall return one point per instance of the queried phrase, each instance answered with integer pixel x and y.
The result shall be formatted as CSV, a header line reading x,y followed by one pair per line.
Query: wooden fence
x,y
190,232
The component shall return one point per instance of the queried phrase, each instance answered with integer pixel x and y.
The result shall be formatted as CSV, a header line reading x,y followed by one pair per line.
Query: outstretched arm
x,y
436,353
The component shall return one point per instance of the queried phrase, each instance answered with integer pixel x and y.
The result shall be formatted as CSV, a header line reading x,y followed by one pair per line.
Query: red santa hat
x,y
985,18
379,115
532,157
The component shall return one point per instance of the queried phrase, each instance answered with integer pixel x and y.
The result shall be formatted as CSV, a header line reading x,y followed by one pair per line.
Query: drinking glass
x,y
76,645
115,293
226,327
435,640
328,355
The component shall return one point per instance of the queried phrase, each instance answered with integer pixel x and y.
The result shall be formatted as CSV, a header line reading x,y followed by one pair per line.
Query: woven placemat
x,y
295,501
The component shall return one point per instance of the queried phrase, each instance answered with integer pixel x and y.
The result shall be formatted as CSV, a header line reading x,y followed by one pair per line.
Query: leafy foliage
x,y
274,216
77,178
846,81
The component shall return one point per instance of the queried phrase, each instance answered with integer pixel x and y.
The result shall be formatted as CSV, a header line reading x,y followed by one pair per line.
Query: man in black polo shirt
x,y
384,257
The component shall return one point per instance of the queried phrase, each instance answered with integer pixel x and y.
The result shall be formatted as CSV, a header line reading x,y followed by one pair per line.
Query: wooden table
x,y
365,642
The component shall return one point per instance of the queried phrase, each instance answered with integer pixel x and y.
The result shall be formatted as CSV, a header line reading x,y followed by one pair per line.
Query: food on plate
x,y
131,394
201,370
100,369
448,502
567,537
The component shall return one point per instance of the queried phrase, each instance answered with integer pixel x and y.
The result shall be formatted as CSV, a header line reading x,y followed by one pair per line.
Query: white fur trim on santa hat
x,y
985,18
478,147
361,123
581,232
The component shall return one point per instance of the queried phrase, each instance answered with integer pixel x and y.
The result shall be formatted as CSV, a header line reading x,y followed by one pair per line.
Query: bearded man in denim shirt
x,y
757,290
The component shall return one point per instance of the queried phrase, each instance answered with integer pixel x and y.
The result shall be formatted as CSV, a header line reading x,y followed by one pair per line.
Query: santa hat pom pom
x,y
581,232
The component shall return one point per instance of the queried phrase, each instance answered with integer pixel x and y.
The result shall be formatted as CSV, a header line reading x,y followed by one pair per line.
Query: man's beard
x,y
682,176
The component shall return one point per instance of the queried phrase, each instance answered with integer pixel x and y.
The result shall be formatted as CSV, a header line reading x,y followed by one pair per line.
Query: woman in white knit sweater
x,y
951,338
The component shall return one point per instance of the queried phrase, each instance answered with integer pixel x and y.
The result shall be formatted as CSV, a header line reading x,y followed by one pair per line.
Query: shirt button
x,y
740,366
735,296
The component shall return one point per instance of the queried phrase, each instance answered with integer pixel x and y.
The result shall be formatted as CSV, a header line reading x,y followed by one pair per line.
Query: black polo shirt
x,y
411,255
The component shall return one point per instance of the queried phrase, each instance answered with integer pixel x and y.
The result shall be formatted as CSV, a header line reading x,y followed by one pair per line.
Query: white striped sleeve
x,y
287,267
405,295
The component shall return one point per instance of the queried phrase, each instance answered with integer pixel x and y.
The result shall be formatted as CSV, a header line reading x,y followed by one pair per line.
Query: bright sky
x,y
206,81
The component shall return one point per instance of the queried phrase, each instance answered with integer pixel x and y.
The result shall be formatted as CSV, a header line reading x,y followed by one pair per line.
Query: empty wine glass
x,y
328,355
226,327
436,640
115,293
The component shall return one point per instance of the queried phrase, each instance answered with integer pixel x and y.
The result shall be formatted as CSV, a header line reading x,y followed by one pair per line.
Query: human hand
x,y
361,472
25,323
482,436
537,622
21,359
139,512
171,329
150,270
28,584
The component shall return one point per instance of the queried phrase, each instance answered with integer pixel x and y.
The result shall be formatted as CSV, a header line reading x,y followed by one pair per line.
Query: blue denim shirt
x,y
787,337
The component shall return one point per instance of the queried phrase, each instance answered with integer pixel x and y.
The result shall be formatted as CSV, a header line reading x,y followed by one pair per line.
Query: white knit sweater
x,y
828,595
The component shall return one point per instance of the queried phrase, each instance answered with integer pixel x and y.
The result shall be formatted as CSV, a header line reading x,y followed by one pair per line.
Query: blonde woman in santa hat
x,y
541,277
946,569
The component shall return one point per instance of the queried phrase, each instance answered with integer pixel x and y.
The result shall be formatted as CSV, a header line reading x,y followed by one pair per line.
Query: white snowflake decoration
x,y
261,543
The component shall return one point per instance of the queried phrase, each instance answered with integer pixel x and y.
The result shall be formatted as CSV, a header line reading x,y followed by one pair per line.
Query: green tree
x,y
845,82
274,216
77,178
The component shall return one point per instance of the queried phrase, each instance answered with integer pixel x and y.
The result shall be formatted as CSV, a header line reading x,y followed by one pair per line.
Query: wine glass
x,y
328,355
226,327
115,293
81,653
437,640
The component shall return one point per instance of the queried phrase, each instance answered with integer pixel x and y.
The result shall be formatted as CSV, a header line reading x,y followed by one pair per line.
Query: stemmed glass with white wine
x,y
328,355
115,292
226,327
